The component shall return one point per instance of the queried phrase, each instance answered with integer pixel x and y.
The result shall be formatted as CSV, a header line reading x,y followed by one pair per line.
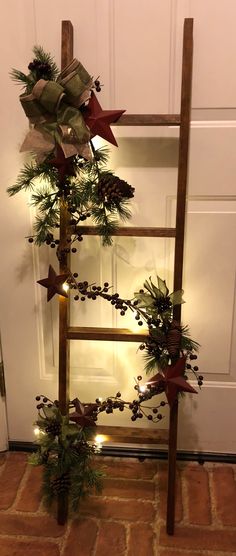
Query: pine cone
x,y
61,484
112,189
173,338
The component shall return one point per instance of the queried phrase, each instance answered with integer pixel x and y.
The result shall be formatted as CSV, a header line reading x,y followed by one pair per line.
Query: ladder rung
x,y
93,333
135,435
149,120
135,231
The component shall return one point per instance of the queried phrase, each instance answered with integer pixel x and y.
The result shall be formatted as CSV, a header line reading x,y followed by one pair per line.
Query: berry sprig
x,y
97,84
195,369
93,291
138,406
166,340
42,70
138,410
53,242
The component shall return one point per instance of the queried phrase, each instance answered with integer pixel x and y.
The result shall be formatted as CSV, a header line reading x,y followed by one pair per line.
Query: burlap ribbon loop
x,y
49,94
76,82
45,98
52,104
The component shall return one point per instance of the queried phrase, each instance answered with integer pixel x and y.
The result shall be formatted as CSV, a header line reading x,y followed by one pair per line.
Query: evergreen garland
x,y
65,450
168,339
153,305
65,443
87,188
82,193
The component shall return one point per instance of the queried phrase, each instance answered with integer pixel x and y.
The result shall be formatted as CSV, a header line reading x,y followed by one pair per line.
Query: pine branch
x,y
46,58
45,202
39,197
27,175
150,364
21,78
123,211
102,156
100,159
105,224
106,230
45,224
81,192
188,344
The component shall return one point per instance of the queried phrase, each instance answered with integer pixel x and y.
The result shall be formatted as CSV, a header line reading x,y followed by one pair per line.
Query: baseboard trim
x,y
142,453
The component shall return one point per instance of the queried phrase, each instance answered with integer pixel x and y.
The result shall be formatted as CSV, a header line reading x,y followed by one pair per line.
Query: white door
x,y
143,76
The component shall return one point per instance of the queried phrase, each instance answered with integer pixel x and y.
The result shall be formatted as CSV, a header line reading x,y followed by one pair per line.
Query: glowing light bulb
x,y
99,439
142,388
65,286
38,431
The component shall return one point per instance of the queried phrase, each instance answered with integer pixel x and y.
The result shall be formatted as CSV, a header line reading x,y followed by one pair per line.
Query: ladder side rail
x,y
179,243
66,57
63,373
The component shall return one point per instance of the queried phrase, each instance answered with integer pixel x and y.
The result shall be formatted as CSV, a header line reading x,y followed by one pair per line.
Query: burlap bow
x,y
53,109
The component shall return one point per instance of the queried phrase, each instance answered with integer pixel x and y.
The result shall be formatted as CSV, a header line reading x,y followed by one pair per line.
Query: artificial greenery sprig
x,y
66,445
153,305
42,67
91,192
137,407
65,449
73,171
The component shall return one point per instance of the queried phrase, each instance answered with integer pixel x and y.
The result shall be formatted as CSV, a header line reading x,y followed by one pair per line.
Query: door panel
x,y
209,283
214,83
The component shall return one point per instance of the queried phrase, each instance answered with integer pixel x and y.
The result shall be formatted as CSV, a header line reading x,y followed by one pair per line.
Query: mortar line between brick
x,y
64,538
32,538
19,489
117,520
158,521
127,539
194,551
130,479
118,498
185,498
94,550
215,520
156,508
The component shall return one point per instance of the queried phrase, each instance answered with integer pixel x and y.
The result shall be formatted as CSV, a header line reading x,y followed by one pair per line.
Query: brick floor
x,y
128,518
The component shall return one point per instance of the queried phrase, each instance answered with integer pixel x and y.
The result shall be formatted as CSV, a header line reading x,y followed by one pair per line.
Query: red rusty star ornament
x,y
83,414
54,283
173,380
64,165
98,120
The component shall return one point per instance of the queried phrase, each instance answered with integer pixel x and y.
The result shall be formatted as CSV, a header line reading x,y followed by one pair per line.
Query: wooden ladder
x,y
67,332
